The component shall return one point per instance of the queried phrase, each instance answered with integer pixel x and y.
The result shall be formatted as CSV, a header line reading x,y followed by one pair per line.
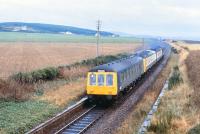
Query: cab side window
x,y
92,79
109,80
100,80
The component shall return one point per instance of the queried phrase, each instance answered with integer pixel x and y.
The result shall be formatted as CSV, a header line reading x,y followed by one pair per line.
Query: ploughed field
x,y
28,56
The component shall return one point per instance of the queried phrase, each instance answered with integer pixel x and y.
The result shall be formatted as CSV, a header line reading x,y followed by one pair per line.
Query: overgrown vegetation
x,y
174,50
12,90
175,79
163,123
49,73
193,66
195,130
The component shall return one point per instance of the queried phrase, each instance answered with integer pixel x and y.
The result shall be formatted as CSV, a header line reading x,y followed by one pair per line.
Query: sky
x,y
169,18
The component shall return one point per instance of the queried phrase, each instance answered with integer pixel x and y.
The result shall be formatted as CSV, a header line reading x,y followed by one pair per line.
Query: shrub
x,y
174,50
176,78
163,124
12,90
195,130
31,77
100,60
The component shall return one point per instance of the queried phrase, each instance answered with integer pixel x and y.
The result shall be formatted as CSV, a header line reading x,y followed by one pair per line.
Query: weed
x,y
194,130
176,78
163,124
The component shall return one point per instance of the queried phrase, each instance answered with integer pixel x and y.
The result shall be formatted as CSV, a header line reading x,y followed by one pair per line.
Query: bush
x,y
195,130
174,50
176,78
32,77
100,60
163,124
12,90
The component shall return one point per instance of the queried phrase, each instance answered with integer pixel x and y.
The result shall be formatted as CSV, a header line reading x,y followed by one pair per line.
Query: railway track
x,y
83,122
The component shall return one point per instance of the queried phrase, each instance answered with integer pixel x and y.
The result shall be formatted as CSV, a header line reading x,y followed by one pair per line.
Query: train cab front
x,y
101,84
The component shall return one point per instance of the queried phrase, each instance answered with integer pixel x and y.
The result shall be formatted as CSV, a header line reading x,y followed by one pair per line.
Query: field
x,y
27,56
41,37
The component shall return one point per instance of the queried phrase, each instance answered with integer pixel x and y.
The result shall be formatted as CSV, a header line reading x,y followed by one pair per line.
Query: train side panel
x,y
149,62
159,54
130,75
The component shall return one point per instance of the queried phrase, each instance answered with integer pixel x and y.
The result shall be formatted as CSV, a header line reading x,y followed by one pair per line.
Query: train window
x,y
100,80
126,74
122,77
109,80
92,79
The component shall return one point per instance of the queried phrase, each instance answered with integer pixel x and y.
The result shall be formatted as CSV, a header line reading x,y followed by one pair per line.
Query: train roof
x,y
156,48
119,65
146,53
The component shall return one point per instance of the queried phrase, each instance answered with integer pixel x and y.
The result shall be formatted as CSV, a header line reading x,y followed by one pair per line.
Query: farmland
x,y
44,37
29,51
15,57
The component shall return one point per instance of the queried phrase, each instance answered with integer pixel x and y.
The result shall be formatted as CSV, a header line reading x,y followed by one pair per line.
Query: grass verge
x,y
19,117
178,111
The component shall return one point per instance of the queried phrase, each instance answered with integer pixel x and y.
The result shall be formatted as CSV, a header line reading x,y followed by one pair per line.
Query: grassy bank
x,y
135,118
179,108
19,117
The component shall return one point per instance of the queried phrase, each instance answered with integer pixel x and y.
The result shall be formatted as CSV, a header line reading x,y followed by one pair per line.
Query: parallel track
x,y
83,122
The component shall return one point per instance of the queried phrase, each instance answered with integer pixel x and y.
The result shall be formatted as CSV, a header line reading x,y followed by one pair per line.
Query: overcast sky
x,y
149,17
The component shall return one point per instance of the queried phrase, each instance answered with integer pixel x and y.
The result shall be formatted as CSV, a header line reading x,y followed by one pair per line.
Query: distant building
x,y
20,28
67,33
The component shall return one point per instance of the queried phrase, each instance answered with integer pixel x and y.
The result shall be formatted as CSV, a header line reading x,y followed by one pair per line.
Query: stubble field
x,y
27,56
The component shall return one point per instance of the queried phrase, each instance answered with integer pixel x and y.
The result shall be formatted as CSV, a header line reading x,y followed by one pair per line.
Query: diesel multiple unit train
x,y
110,79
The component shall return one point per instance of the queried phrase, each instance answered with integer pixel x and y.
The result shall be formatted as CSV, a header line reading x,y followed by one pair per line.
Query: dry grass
x,y
73,72
193,65
16,57
65,94
180,100
134,120
12,90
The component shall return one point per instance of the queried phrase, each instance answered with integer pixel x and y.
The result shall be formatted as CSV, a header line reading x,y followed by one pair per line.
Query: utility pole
x,y
143,43
98,35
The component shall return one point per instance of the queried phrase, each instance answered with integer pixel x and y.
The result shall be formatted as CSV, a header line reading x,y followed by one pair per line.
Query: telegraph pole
x,y
143,43
98,35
